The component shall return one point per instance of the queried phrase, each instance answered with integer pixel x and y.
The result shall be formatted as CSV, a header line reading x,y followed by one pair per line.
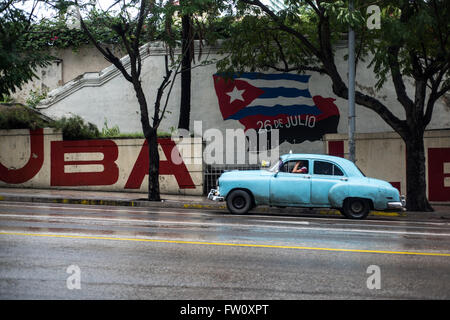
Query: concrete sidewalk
x,y
441,213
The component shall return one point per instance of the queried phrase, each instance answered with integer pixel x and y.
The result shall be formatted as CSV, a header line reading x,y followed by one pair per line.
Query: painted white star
x,y
236,94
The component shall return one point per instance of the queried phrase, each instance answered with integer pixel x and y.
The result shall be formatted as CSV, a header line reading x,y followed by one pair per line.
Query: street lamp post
x,y
351,88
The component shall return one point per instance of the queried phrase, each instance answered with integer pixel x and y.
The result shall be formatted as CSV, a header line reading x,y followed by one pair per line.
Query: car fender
x,y
337,194
257,185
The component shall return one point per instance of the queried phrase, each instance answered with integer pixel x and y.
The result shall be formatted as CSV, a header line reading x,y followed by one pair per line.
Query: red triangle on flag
x,y
234,95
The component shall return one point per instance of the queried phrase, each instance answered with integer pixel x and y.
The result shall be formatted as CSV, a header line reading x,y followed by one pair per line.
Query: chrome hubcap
x,y
357,207
238,202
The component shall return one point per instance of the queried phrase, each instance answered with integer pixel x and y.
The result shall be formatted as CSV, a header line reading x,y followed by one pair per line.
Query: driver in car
x,y
299,168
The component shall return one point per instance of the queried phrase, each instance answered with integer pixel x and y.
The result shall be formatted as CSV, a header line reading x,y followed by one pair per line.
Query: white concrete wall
x,y
49,78
70,65
15,152
107,95
383,156
183,176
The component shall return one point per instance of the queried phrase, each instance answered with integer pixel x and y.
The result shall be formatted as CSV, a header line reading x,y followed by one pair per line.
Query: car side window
x,y
327,168
287,166
290,165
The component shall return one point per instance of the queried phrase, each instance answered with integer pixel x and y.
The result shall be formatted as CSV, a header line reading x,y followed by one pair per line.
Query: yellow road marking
x,y
227,244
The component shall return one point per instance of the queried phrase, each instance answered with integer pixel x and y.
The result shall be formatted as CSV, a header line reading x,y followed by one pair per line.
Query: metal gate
x,y
213,172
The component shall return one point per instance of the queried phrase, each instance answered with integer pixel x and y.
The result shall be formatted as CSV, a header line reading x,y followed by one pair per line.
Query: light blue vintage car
x,y
307,180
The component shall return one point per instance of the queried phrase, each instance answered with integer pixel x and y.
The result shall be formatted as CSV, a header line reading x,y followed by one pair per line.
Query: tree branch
x,y
397,78
106,53
400,126
280,49
417,69
315,8
435,95
284,27
441,40
341,90
6,5
166,80
143,12
170,89
297,68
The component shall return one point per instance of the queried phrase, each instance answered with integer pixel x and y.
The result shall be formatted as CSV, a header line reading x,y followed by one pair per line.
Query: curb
x,y
102,202
182,205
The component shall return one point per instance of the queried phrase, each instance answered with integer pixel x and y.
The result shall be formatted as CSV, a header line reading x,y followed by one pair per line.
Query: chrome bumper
x,y
214,195
398,205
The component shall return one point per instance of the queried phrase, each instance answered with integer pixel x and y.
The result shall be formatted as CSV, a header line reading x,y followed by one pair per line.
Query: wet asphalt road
x,y
147,253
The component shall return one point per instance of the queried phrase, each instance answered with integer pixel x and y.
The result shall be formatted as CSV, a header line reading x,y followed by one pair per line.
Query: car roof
x,y
347,165
293,156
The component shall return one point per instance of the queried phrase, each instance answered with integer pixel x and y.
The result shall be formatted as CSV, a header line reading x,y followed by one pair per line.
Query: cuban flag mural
x,y
276,101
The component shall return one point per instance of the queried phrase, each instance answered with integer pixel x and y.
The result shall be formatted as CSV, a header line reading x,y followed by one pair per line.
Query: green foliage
x,y
26,44
419,28
421,32
163,134
5,98
257,43
75,128
338,11
35,97
208,25
18,61
110,132
51,34
114,133
128,135
19,117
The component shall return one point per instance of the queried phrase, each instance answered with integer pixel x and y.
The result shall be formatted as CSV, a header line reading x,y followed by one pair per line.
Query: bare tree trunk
x,y
151,136
153,172
415,173
185,104
410,130
131,40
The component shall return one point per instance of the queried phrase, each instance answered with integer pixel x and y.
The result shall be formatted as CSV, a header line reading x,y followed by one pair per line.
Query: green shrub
x,y
6,98
127,135
74,128
35,97
108,132
12,117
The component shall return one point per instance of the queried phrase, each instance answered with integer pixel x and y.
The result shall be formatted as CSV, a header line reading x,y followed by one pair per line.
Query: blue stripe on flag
x,y
273,76
263,76
284,92
275,110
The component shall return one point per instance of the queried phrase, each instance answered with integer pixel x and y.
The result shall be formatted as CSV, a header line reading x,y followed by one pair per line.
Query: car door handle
x,y
307,177
344,179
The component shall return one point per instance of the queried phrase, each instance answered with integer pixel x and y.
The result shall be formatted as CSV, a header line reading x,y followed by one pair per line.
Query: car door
x,y
324,176
287,188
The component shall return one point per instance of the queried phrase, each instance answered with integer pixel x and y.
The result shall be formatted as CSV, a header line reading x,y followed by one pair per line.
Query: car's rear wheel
x,y
356,208
239,202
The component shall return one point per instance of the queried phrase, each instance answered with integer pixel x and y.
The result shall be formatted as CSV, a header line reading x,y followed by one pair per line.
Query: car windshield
x,y
276,166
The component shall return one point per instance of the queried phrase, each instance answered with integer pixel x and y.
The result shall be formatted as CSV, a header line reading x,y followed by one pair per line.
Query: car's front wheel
x,y
239,202
356,208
